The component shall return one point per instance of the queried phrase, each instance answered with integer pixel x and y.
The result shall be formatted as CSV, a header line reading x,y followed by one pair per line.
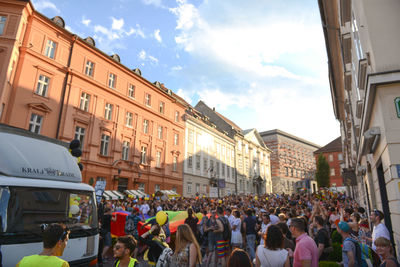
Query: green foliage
x,y
336,254
322,173
336,237
328,264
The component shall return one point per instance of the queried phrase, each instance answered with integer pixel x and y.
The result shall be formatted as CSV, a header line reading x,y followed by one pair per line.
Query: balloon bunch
x,y
75,150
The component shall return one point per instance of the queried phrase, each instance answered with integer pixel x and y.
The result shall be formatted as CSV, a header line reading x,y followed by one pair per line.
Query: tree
x,y
322,173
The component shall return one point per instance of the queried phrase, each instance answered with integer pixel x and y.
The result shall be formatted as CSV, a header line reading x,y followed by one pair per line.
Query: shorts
x,y
107,240
222,248
211,243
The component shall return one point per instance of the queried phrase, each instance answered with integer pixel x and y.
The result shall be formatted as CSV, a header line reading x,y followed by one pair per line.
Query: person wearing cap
x,y
379,229
55,239
349,250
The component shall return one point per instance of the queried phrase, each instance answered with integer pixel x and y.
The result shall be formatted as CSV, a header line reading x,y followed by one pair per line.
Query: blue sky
x,y
262,64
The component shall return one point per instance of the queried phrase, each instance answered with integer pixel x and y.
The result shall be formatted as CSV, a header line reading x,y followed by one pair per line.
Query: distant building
x,y
252,156
292,161
333,154
57,84
209,160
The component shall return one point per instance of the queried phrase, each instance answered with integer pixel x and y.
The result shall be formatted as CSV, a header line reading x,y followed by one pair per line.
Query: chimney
x,y
213,108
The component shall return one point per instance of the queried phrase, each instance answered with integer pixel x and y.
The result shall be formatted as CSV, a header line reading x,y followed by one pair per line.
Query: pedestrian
x,y
106,228
210,226
239,258
266,221
123,250
350,257
223,236
131,226
249,226
306,252
155,240
385,251
192,221
379,228
272,253
321,238
236,239
55,239
187,250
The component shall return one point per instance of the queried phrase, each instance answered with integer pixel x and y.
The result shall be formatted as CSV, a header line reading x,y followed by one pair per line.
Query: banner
x,y
213,191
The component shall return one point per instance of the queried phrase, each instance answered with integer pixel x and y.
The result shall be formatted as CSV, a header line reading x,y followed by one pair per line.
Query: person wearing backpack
x,y
223,236
351,251
322,239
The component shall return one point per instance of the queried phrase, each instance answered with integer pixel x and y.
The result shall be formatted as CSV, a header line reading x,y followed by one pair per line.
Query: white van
x,y
40,183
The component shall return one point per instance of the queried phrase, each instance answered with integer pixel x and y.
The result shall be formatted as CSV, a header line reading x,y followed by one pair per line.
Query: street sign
x,y
213,191
397,103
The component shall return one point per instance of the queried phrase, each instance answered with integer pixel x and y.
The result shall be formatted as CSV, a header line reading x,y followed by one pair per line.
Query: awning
x,y
119,194
110,195
135,193
170,193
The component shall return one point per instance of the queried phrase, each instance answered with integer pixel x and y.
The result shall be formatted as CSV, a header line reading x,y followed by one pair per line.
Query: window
x,y
162,107
35,123
112,79
190,137
228,171
125,150
198,159
176,116
175,163
108,111
291,172
189,188
223,169
147,99
330,157
131,91
143,153
105,140
246,148
3,20
80,134
217,168
50,49
211,165
197,188
205,164
145,126
85,99
240,145
157,188
340,156
158,159
190,161
129,118
141,187
89,68
160,132
204,188
42,85
332,172
176,139
173,189
255,152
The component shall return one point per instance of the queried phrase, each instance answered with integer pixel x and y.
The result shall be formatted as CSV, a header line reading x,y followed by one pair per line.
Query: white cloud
x,y
157,36
42,5
176,68
85,21
143,56
157,3
117,24
185,95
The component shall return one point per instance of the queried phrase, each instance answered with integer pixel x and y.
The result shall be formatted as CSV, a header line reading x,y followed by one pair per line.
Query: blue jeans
x,y
251,244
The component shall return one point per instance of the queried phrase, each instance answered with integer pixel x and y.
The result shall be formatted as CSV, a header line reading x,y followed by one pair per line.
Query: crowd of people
x,y
269,230
235,231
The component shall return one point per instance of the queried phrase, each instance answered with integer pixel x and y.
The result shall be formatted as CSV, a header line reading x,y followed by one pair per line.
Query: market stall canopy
x,y
110,195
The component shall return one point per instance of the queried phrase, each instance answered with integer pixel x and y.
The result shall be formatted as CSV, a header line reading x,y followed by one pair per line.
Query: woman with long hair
x,y
236,239
272,253
385,251
187,250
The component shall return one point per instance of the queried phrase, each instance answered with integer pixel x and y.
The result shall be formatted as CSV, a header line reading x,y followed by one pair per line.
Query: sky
x,y
260,63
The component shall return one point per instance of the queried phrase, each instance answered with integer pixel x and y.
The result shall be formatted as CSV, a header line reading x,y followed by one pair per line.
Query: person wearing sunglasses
x,y
123,250
55,239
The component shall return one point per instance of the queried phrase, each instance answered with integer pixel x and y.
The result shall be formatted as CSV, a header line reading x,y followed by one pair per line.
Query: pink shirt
x,y
306,249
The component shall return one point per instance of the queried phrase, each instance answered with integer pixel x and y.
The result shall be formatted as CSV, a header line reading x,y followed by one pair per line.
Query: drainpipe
x,y
74,37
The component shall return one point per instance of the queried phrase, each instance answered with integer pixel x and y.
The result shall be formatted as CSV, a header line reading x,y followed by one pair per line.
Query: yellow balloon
x,y
146,198
220,201
256,197
161,217
152,195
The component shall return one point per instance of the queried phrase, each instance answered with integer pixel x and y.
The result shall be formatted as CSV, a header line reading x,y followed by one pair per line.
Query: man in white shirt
x,y
229,216
144,208
379,228
266,221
